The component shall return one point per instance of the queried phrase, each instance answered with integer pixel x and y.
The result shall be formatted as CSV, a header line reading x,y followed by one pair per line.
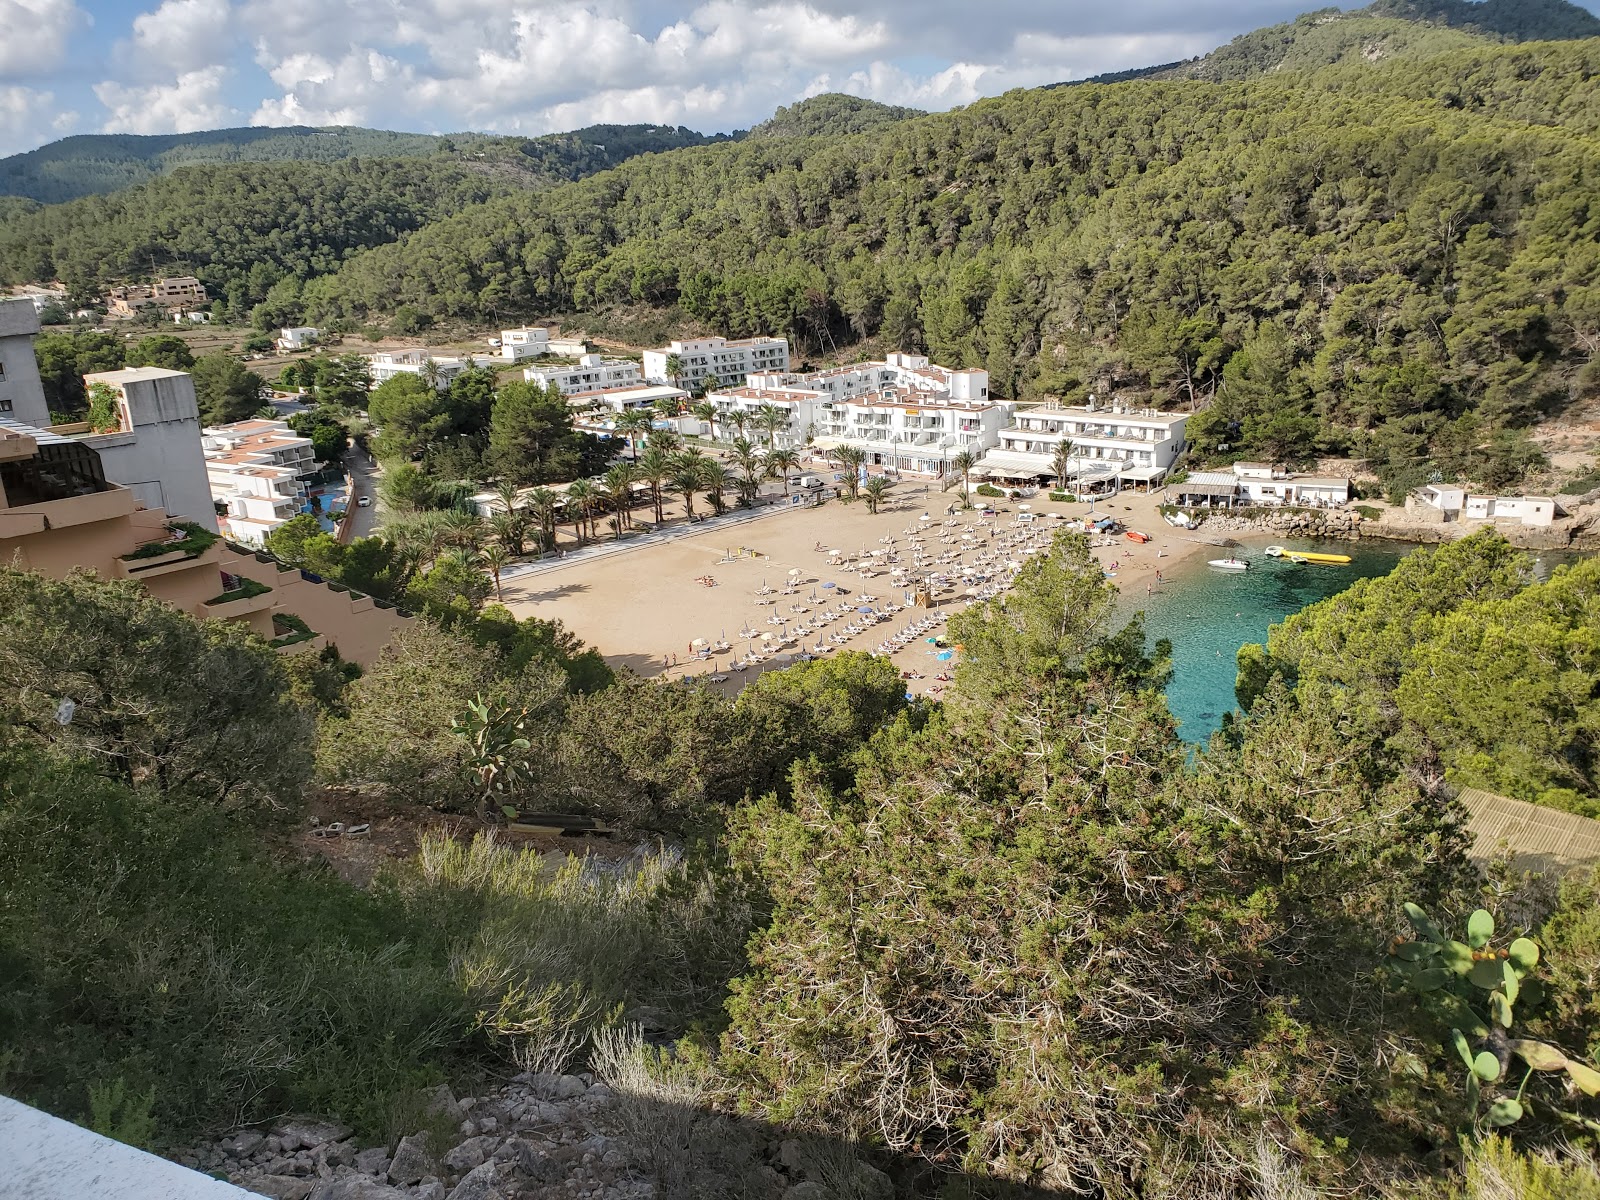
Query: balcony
x,y
197,546
246,597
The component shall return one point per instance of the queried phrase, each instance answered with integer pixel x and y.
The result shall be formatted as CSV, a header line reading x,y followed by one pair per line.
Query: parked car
x,y
364,502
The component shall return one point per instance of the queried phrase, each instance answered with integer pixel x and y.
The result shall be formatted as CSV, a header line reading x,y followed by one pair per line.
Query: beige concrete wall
x,y
358,627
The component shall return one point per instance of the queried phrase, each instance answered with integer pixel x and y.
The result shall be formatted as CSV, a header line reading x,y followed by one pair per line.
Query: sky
x,y
542,66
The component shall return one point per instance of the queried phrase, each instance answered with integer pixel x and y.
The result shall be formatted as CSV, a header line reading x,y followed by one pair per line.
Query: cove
x,y
1209,613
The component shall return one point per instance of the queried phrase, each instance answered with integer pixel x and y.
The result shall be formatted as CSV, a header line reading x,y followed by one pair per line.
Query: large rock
x,y
374,1161
481,1183
411,1160
244,1143
306,1133
283,1187
442,1102
431,1189
358,1187
468,1154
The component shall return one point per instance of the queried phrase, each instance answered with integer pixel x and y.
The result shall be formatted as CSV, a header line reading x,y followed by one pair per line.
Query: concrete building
x,y
256,471
296,337
21,393
1107,446
59,512
716,360
1261,485
911,432
591,373
156,450
629,399
178,291
444,369
518,344
1445,504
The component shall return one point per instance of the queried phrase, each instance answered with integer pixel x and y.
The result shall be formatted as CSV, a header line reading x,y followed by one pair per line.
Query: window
x,y
5,404
2,372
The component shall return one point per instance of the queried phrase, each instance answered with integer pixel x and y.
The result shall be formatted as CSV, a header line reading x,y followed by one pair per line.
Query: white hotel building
x,y
1108,445
717,360
593,373
256,470
446,369
532,341
904,414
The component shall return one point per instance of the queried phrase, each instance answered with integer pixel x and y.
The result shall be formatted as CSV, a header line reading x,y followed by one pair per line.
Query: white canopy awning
x,y
1143,474
1012,462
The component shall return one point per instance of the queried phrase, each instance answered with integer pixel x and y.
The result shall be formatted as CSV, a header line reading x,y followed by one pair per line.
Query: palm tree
x,y
508,494
705,411
511,531
1061,463
619,486
634,424
716,479
738,418
769,419
674,368
749,460
580,498
494,558
655,468
780,463
850,459
962,464
665,440
543,509
463,530
875,490
687,474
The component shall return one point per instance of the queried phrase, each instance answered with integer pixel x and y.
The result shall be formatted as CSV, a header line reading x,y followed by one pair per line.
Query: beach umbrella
x,y
944,655
794,571
865,608
699,644
829,586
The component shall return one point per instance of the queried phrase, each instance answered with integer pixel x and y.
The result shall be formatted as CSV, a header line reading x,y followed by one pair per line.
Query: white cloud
x,y
35,34
25,116
179,37
195,100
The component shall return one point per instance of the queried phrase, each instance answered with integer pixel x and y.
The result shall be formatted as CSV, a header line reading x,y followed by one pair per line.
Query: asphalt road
x,y
363,482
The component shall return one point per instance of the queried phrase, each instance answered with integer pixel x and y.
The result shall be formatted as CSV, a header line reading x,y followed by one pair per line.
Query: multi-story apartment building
x,y
21,393
444,369
1106,445
256,471
716,360
904,413
591,373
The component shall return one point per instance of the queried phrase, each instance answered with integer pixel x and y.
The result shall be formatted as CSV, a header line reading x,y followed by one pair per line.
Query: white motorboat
x,y
1230,564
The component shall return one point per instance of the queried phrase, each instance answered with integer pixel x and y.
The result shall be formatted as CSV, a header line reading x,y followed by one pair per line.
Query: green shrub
x,y
1368,513
986,489
247,587
1063,497
196,539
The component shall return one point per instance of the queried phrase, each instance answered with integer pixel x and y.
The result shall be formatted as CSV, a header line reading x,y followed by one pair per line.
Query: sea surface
x,y
1208,613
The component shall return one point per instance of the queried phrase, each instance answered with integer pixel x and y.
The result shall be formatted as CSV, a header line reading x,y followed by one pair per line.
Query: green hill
x,y
832,114
1374,270
92,164
1388,29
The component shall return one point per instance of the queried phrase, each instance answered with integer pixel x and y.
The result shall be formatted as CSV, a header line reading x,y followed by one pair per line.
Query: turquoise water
x,y
1209,613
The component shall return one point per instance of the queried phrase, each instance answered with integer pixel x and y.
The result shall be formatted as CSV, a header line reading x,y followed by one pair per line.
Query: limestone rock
x,y
357,1187
244,1143
372,1162
306,1133
480,1183
429,1189
411,1159
283,1187
466,1156
442,1102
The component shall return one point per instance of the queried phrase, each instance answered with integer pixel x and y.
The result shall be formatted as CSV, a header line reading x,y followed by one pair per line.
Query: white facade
x,y
296,337
593,373
21,393
623,400
908,431
1262,484
715,360
446,369
1455,504
156,454
256,468
1105,444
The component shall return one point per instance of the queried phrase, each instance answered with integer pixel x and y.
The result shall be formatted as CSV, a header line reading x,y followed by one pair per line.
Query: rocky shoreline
x,y
1581,534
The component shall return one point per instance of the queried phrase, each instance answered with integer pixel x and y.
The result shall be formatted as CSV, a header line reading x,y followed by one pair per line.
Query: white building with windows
x,y
1107,446
591,373
901,430
297,337
154,448
716,360
256,470
445,369
531,342
616,401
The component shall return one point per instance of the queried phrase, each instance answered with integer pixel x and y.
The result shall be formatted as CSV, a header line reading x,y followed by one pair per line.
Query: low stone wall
x,y
1581,533
1337,524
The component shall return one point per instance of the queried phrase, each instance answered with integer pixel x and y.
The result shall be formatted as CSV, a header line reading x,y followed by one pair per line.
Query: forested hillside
x,y
1387,29
1403,270
93,163
831,114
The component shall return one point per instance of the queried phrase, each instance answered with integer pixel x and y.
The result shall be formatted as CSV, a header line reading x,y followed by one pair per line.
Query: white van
x,y
808,482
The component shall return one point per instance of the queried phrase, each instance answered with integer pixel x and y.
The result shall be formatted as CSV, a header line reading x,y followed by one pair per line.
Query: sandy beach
x,y
641,607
